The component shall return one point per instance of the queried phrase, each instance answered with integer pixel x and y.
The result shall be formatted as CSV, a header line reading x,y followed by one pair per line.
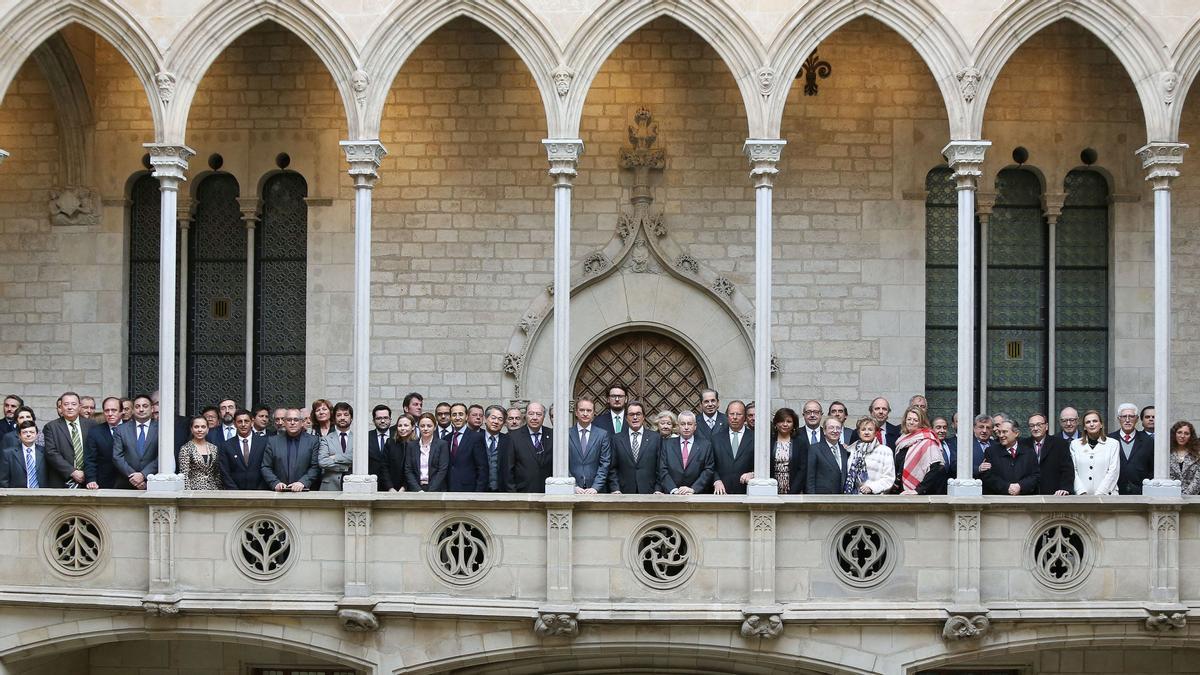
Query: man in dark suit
x,y
888,433
532,461
1147,416
612,420
98,467
442,412
241,456
810,434
979,445
8,423
1014,469
11,439
685,464
827,462
498,447
468,459
711,420
1137,451
590,450
949,446
25,465
225,428
733,452
635,455
1056,471
839,410
377,457
289,462
261,418
64,444
135,446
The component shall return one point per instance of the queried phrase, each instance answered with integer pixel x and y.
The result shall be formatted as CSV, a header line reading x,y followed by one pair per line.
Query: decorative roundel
x,y
862,553
75,543
1061,553
263,548
663,554
461,551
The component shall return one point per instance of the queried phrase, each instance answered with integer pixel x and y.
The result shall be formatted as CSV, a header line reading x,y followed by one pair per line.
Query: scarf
x,y
922,450
856,475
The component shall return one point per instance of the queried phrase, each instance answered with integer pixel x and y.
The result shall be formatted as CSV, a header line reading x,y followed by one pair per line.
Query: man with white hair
x,y
1137,451
686,464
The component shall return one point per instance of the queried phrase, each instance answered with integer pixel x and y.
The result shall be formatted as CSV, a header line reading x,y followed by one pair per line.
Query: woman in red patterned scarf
x,y
918,454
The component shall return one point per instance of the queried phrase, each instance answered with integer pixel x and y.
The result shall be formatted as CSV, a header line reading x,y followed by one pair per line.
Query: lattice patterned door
x,y
659,371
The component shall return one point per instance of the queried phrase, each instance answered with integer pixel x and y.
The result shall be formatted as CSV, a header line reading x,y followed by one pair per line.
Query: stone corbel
x,y
1166,619
966,625
557,622
161,605
762,622
358,619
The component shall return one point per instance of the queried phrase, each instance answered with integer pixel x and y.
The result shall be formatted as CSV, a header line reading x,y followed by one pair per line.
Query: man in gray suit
x,y
289,463
335,453
590,450
827,461
135,446
63,438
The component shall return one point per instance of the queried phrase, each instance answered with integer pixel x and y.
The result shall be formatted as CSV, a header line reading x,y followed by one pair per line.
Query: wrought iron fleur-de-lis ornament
x,y
813,68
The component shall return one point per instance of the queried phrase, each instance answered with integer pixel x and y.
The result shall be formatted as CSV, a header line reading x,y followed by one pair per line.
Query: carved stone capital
x,y
767,626
1052,205
966,627
364,158
168,161
1161,162
1166,621
563,155
966,159
763,155
358,620
249,209
556,624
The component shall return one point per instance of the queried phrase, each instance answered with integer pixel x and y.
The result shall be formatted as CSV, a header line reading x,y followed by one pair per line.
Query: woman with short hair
x,y
871,469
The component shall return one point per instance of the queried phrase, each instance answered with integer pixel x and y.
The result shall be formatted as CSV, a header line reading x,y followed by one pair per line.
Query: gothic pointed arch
x,y
411,22
212,30
1176,85
715,21
1119,25
918,21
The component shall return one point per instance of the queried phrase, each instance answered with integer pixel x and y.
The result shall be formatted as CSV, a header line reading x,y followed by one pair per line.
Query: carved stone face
x,y
359,81
165,82
1170,81
562,81
765,77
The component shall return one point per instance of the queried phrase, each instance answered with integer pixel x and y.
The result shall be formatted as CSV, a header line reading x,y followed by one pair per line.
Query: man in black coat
x,y
98,467
1137,451
635,471
733,451
241,456
532,456
828,461
1014,469
685,464
1056,471
289,462
710,420
468,459
498,447
377,455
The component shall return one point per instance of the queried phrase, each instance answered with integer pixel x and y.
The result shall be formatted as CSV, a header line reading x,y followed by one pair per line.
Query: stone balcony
x,y
836,584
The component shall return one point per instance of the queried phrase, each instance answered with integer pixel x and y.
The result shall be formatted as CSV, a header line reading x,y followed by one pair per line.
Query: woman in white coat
x,y
1097,458
872,467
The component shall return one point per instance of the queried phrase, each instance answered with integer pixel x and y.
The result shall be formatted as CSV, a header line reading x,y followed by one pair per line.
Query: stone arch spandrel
x,y
1119,25
919,22
211,31
658,302
28,24
715,21
411,22
1177,84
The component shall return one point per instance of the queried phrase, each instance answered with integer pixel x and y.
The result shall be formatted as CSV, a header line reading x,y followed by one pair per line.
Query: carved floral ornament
x,y
75,543
263,547
462,551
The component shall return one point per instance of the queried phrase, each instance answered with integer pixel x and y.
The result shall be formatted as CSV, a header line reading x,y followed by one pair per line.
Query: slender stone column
x,y
364,158
170,163
764,158
563,155
1052,205
184,216
1162,162
966,158
250,218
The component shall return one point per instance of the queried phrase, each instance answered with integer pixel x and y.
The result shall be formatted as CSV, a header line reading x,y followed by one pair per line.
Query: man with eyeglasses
x,y
289,464
613,419
377,458
634,467
1137,451
1056,470
1068,422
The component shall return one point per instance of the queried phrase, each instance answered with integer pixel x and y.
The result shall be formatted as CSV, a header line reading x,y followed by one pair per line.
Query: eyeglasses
x,y
293,419
1037,424
1127,417
1064,420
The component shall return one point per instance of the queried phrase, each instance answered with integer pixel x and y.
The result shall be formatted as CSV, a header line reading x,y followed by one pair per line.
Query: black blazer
x,y
700,469
1140,464
824,476
279,467
1056,470
604,421
503,463
529,468
238,473
469,465
797,465
439,465
1005,470
702,430
389,468
729,468
98,464
638,477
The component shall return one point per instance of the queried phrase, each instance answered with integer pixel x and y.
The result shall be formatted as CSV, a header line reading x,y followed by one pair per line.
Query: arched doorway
x,y
658,370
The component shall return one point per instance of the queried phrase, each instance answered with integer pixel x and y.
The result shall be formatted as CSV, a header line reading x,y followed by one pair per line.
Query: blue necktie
x,y
30,469
141,441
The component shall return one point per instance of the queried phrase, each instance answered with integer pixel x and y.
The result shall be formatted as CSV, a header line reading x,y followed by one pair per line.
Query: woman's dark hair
x,y
1193,446
782,414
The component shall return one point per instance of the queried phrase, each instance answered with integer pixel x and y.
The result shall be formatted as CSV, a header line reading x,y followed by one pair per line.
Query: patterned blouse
x,y
200,472
1185,468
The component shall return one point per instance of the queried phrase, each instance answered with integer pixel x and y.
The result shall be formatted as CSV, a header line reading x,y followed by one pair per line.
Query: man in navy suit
x,y
810,434
949,445
1056,469
377,456
98,467
468,459
612,420
827,462
1014,468
226,429
733,452
1068,421
241,456
849,433
16,463
711,420
590,450
498,447
1137,451
135,446
531,451
635,455
888,433
685,464
289,462
980,444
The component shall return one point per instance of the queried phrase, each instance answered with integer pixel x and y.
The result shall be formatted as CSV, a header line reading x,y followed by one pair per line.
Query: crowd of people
x,y
623,448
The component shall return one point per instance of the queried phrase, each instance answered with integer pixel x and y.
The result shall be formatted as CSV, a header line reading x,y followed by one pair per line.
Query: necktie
x,y
617,424
636,445
77,445
454,444
30,469
1013,452
1128,438
946,453
112,431
583,441
141,440
246,450
685,444
737,435
1037,448
379,437
343,441
712,422
814,437
492,445
228,433
537,441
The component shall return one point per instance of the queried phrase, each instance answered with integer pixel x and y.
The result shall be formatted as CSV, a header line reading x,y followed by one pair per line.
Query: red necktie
x,y
1013,452
454,444
1128,438
685,452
